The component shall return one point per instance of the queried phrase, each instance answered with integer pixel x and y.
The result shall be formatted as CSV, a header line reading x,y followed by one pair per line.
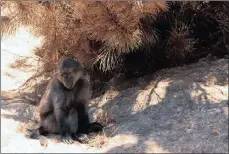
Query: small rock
x,y
216,133
43,141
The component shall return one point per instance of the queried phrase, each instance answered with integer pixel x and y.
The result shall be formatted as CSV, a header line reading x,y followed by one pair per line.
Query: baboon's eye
x,y
64,74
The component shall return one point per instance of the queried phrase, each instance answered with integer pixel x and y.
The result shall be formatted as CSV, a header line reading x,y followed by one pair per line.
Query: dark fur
x,y
63,108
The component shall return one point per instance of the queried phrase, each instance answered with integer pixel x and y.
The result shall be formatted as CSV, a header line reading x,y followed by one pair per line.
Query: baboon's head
x,y
69,72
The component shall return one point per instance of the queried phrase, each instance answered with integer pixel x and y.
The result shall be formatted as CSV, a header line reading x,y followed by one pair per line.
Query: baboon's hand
x,y
67,139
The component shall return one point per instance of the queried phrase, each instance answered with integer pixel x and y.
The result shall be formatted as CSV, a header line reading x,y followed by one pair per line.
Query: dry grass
x,y
102,139
99,140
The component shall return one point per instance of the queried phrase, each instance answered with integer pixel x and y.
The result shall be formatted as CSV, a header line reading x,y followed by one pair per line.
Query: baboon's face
x,y
69,72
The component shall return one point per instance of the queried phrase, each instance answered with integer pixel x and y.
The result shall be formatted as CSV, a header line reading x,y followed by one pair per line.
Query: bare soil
x,y
182,109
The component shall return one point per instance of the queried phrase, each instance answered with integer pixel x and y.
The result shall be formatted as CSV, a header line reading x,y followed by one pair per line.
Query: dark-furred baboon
x,y
63,108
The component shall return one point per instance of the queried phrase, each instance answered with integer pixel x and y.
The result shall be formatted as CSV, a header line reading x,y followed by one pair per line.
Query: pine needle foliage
x,y
69,28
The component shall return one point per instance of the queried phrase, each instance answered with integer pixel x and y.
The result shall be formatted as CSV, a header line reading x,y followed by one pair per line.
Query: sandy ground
x,y
15,48
183,109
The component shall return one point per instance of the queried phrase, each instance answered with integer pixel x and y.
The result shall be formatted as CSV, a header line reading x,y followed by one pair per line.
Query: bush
x,y
116,37
94,32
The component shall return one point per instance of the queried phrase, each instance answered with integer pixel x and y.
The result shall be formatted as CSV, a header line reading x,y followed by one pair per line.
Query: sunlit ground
x,y
13,48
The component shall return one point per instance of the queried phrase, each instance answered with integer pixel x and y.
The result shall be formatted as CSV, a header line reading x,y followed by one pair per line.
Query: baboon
x,y
63,108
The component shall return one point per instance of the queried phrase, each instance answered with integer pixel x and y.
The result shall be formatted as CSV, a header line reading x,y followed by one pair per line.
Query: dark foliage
x,y
186,32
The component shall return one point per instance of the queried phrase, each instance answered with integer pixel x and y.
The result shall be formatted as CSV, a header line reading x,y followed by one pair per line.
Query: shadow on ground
x,y
183,109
